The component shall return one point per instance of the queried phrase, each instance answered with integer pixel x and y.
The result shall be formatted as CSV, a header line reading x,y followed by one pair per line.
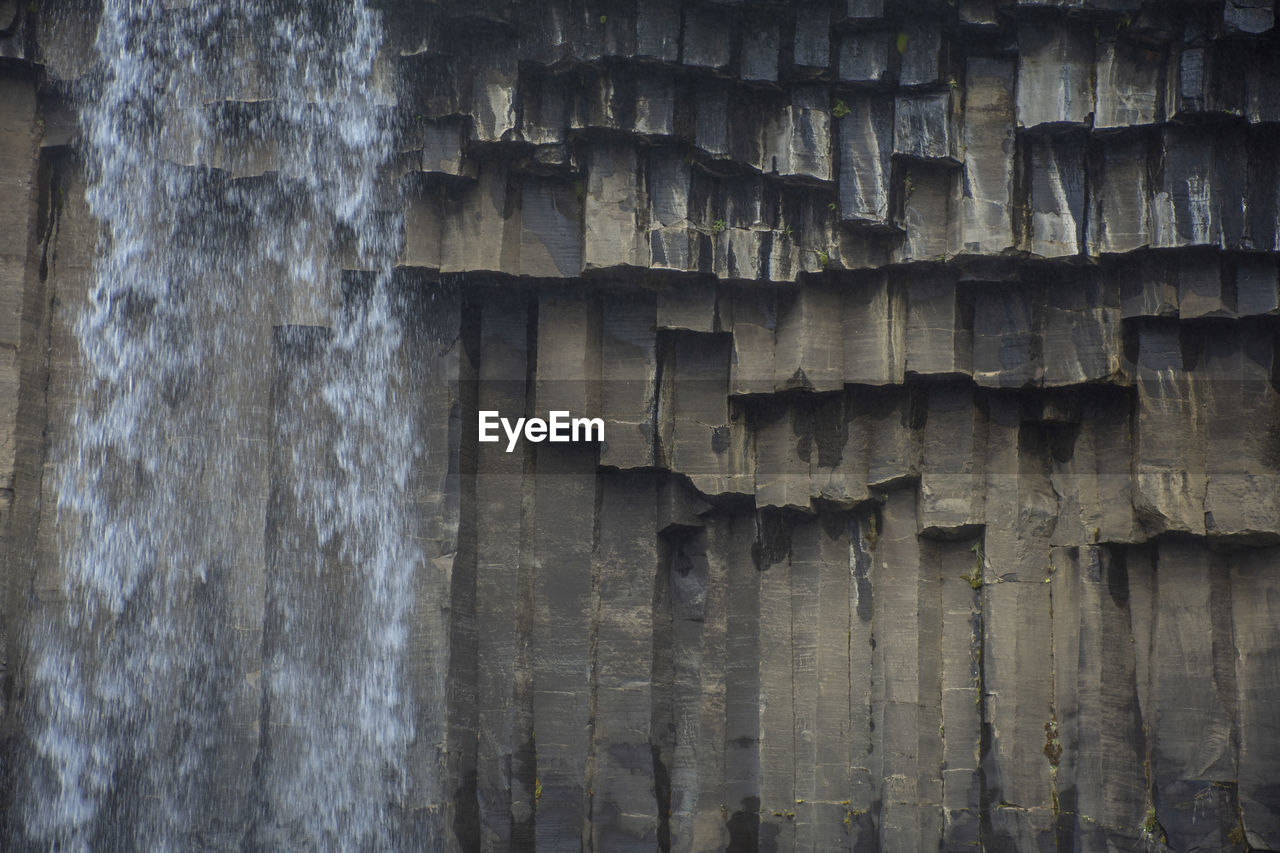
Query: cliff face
x,y
939,500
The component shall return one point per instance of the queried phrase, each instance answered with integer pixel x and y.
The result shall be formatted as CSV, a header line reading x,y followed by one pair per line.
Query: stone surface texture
x,y
936,344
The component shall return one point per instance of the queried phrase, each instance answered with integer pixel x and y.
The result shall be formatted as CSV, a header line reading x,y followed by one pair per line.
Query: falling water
x,y
163,714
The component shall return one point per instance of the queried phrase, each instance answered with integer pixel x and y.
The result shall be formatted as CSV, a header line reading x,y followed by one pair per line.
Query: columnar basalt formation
x,y
935,343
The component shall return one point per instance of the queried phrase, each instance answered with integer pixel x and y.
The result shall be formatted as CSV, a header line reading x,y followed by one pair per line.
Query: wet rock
x,y
938,339
707,37
1249,16
761,42
1057,196
866,146
1006,339
812,47
1128,92
929,194
987,142
920,46
952,477
658,30
1119,218
1255,285
874,317
1054,83
612,234
1169,448
864,56
924,127
798,141
809,352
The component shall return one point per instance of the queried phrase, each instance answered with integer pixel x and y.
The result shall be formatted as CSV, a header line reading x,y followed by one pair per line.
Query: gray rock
x,y
1256,285
812,46
864,9
809,350
700,433
1100,747
1090,472
754,320
1147,288
920,45
874,317
938,500
706,40
761,42
1192,719
1006,339
611,236
1128,82
628,381
784,452
1054,81
908,621
924,128
987,138
952,475
1057,196
866,145
1188,208
624,808
1253,612
1241,493
798,141
864,56
1249,16
1262,95
499,487
658,30
1200,286
937,340
929,196
1169,461
1119,218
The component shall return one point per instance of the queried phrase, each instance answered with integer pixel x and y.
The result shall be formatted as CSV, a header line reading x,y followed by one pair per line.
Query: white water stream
x,y
192,694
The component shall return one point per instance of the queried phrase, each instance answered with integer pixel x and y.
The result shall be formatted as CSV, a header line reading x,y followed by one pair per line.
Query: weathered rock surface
x,y
935,343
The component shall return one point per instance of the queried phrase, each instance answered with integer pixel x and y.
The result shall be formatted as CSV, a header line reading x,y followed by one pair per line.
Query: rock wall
x,y
935,344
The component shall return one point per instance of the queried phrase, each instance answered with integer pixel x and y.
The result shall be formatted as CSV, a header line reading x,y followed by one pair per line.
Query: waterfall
x,y
192,691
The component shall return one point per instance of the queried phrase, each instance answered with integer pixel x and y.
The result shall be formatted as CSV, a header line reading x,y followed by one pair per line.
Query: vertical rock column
x,y
431,370
822,715
1098,739
1017,656
1255,613
564,510
960,654
1169,448
307,617
24,317
1191,712
499,490
36,594
230,603
697,595
623,801
18,224
907,624
736,538
777,688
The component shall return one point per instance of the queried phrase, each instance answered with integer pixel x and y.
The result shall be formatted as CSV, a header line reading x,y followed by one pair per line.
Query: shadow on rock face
x,y
744,826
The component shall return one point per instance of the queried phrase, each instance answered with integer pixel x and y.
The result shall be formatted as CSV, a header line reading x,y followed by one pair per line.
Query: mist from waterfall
x,y
162,714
